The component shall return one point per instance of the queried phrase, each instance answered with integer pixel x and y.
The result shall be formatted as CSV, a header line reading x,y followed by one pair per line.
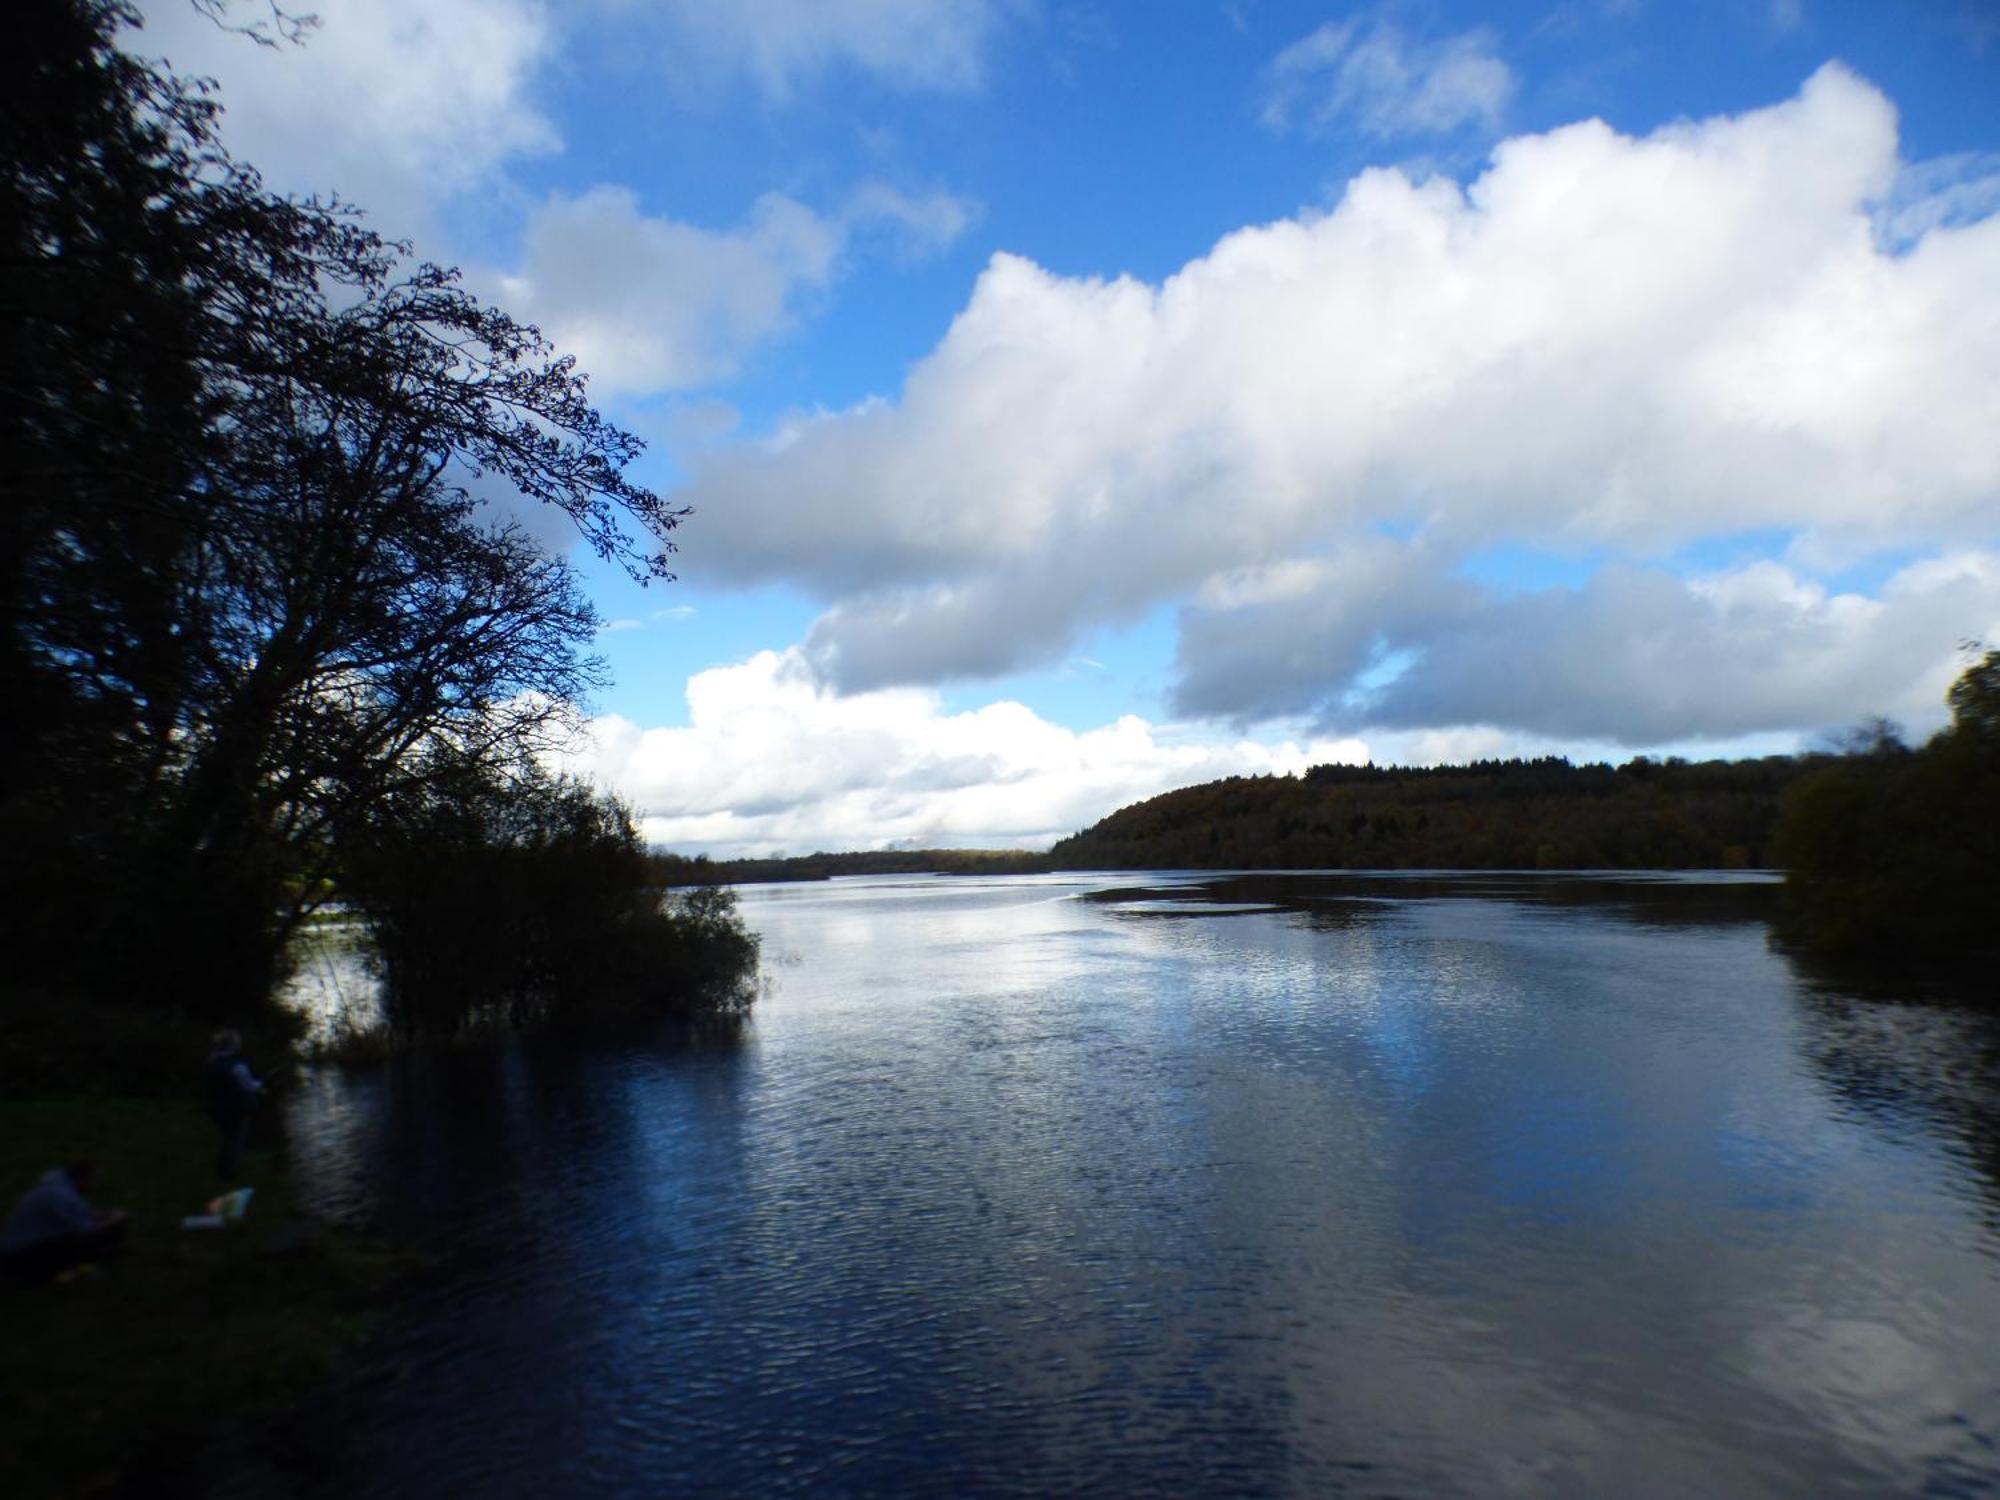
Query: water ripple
x,y
1374,1188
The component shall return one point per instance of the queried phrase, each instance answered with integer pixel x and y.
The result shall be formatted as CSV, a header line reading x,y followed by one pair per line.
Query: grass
x,y
184,1327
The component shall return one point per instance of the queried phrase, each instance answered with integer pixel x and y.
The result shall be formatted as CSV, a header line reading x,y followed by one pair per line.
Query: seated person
x,y
53,1228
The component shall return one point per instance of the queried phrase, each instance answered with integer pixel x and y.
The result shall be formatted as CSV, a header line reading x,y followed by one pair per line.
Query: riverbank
x,y
103,1376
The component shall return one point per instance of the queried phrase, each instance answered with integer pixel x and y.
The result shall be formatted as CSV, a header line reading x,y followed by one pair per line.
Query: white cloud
x,y
1603,342
389,104
651,303
772,762
394,104
400,107
1386,82
923,44
920,224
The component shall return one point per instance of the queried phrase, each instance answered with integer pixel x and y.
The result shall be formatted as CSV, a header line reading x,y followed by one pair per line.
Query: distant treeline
x,y
680,869
1490,815
1514,814
1888,850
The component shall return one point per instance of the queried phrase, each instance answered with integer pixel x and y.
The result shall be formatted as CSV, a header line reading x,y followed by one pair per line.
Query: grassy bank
x,y
100,1377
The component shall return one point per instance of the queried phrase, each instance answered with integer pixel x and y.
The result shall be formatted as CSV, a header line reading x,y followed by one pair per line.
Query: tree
x,y
1898,856
99,325
1975,700
249,595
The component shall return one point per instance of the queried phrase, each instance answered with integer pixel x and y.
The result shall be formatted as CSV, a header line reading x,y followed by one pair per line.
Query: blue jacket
x,y
228,1087
49,1210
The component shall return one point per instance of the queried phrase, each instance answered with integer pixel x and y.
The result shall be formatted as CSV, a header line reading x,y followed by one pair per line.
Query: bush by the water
x,y
519,899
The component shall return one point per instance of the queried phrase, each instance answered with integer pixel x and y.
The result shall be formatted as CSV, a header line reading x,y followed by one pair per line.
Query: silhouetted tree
x,y
248,593
1898,855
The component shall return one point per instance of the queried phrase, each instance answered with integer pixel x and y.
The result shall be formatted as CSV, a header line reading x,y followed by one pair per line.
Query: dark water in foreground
x,y
1297,1185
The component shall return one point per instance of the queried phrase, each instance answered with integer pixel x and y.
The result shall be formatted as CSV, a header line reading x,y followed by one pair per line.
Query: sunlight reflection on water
x,y
333,984
1048,1184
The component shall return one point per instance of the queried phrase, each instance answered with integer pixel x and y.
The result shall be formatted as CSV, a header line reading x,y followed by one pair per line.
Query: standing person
x,y
54,1227
230,1090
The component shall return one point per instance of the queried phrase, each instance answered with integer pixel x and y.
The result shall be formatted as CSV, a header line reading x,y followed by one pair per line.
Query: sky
x,y
1078,399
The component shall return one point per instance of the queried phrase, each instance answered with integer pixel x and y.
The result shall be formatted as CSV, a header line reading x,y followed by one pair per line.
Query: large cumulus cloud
x,y
1602,343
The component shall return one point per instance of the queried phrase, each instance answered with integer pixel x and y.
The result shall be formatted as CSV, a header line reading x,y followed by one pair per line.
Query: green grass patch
x,y
185,1326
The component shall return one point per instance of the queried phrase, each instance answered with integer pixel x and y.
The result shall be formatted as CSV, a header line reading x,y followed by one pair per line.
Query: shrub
x,y
506,901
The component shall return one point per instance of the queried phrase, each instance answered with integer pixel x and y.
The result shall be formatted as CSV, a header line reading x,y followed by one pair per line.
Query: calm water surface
x,y
1274,1185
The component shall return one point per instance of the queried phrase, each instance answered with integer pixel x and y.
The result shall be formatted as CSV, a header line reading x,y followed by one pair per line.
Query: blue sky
x,y
1083,399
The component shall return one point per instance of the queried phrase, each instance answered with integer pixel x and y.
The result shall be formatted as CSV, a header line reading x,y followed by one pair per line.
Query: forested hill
x,y
1514,814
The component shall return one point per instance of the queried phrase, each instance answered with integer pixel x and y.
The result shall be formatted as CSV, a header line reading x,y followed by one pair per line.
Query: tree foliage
x,y
1545,814
1897,856
511,898
257,589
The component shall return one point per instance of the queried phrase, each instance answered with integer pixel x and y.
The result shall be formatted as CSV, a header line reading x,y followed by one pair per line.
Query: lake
x,y
1195,1184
